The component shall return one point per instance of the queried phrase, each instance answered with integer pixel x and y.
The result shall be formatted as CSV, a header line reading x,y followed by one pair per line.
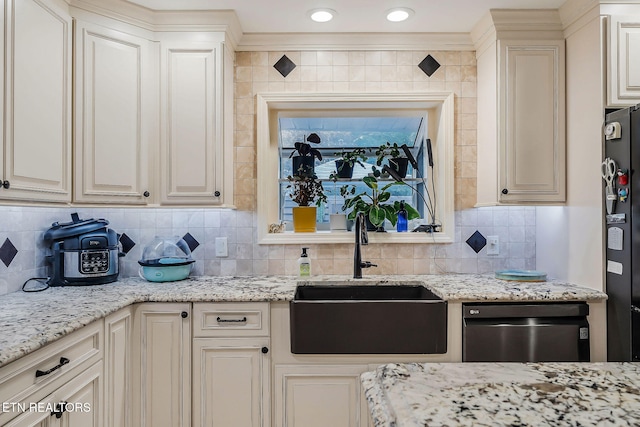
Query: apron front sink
x,y
367,319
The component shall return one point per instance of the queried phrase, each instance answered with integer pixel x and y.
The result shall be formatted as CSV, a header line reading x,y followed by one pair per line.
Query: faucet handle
x,y
367,264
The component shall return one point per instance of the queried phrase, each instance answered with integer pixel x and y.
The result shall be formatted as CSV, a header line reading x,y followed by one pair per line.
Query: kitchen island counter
x,y
504,394
29,321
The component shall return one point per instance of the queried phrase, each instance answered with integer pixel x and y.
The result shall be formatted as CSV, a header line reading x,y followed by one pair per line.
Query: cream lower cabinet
x,y
162,365
76,404
57,385
117,368
319,396
231,365
230,382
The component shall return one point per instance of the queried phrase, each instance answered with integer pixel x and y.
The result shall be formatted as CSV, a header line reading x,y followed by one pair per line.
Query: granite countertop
x,y
29,321
504,394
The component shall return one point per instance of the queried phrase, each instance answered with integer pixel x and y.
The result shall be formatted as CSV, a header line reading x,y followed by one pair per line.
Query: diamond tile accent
x,y
7,252
284,66
191,241
429,65
127,243
477,241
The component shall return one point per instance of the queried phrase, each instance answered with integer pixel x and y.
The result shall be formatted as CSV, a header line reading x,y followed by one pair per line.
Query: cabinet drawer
x,y
32,377
231,319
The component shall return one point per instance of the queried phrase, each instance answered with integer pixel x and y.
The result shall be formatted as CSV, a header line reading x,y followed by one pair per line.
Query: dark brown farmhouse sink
x,y
367,319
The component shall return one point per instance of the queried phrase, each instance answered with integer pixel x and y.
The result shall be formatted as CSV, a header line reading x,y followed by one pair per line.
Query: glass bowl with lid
x,y
166,259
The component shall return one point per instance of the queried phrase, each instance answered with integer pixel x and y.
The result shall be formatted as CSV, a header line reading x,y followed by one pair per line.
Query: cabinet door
x,y
623,61
75,404
319,396
191,156
162,371
532,133
114,81
82,397
37,133
117,368
231,382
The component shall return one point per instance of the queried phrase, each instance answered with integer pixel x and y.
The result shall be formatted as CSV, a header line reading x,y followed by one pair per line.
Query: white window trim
x,y
441,132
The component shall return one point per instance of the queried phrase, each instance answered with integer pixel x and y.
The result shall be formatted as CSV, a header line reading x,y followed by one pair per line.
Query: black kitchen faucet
x,y
362,238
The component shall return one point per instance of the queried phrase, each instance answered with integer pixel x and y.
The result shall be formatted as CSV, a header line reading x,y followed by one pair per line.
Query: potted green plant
x,y
303,163
396,161
374,203
305,190
347,160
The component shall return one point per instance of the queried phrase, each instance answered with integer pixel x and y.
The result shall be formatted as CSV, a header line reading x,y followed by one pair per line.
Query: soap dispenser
x,y
304,264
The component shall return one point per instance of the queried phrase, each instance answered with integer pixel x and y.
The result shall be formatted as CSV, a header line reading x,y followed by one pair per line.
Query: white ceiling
x,y
358,16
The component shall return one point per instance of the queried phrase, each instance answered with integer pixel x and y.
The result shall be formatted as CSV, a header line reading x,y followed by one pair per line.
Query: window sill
x,y
328,237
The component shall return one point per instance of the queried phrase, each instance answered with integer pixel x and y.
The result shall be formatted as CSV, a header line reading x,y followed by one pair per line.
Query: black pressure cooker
x,y
82,252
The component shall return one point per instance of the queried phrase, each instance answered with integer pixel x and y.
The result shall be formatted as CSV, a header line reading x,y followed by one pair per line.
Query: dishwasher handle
x,y
510,310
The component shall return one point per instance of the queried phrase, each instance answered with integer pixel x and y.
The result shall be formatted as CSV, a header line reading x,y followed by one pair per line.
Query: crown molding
x,y
152,20
354,41
516,24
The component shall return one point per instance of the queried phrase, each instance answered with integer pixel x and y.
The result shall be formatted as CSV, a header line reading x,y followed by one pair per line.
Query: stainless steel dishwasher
x,y
525,332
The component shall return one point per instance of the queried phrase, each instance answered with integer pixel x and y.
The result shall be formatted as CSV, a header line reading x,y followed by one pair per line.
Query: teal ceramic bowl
x,y
165,269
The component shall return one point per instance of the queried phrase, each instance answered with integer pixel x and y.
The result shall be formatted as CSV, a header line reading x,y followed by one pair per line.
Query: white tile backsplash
x,y
515,227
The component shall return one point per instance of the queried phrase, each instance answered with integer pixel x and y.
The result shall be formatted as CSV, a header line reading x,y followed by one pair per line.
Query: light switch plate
x,y
222,249
493,245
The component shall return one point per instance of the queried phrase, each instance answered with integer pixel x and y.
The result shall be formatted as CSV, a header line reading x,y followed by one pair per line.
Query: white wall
x,y
573,234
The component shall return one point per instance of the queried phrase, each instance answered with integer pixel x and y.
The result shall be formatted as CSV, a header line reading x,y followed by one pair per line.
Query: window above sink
x,y
346,122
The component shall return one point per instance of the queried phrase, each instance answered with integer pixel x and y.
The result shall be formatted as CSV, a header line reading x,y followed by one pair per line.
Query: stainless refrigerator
x,y
621,191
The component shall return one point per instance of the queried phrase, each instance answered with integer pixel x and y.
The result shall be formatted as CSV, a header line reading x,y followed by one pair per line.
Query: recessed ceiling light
x,y
399,14
322,15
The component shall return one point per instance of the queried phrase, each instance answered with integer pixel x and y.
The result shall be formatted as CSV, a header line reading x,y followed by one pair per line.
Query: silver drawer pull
x,y
221,320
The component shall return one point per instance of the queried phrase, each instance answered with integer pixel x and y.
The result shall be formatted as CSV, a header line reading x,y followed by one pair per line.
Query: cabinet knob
x,y
216,193
505,191
184,314
5,184
265,350
146,194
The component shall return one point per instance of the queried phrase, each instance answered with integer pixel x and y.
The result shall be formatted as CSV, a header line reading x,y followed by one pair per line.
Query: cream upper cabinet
x,y
196,89
37,101
114,106
623,61
521,115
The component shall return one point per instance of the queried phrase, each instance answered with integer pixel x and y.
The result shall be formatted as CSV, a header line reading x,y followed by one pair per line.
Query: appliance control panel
x,y
94,262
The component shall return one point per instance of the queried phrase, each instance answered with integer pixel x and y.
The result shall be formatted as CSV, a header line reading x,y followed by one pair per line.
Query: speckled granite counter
x,y
504,394
28,321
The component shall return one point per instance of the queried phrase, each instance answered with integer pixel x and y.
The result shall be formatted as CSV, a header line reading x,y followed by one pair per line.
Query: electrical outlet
x,y
493,245
222,250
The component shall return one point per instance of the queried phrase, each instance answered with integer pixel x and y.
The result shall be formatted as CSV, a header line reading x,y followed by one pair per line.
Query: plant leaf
x,y
391,214
383,197
371,182
314,138
315,152
391,184
412,213
376,215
